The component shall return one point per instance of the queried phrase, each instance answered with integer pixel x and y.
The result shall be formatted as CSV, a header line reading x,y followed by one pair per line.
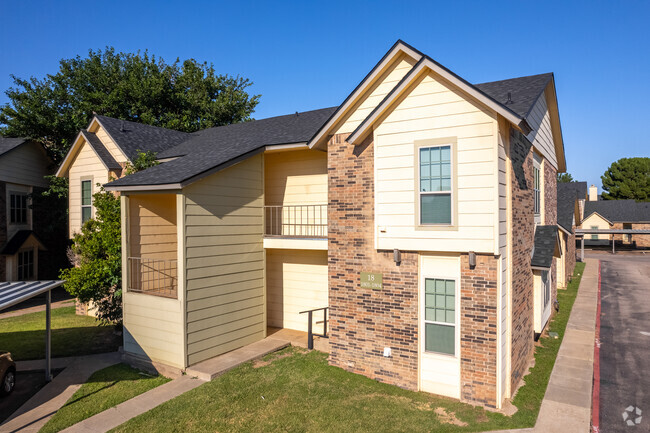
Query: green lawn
x,y
104,389
24,336
298,391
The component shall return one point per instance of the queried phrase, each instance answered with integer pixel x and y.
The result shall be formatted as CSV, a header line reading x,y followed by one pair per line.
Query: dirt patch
x,y
448,417
264,362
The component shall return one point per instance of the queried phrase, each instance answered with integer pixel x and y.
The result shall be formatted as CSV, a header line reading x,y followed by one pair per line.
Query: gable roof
x,y
567,206
133,137
524,92
7,143
579,188
546,247
17,241
101,150
213,149
618,211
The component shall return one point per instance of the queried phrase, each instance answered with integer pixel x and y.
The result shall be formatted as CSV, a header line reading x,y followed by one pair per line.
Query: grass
x,y
297,391
104,389
72,335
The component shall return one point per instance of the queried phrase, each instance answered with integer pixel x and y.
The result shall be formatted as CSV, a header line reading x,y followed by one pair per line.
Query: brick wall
x,y
523,226
570,259
3,228
478,341
638,241
364,321
550,213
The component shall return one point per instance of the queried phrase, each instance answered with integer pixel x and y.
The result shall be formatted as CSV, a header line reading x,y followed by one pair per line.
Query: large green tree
x,y
564,177
186,96
627,178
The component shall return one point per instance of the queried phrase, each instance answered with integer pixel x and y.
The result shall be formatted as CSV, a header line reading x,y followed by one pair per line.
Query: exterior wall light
x,y
472,259
397,256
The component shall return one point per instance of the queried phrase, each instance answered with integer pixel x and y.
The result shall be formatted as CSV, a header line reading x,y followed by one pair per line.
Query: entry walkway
x,y
567,403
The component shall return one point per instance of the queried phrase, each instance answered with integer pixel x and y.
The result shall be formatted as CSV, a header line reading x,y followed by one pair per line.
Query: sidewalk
x,y
37,308
41,407
567,403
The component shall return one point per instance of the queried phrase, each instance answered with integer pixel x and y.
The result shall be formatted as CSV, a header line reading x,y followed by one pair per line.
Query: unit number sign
x,y
371,280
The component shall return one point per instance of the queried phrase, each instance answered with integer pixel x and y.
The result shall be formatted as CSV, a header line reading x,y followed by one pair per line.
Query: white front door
x,y
439,325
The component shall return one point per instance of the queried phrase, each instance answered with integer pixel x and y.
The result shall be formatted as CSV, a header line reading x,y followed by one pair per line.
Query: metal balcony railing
x,y
296,221
153,276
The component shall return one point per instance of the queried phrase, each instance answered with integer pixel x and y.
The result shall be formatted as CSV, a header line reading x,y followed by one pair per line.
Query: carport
x,y
582,232
12,293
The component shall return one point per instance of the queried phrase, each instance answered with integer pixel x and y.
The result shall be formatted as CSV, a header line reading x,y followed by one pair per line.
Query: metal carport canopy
x,y
15,292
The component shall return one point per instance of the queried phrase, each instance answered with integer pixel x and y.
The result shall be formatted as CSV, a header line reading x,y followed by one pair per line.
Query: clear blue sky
x,y
310,54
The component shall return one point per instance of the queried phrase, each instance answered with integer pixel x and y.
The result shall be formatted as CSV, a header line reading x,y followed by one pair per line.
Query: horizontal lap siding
x,y
295,177
85,164
380,89
296,281
110,145
152,229
432,110
224,259
503,252
542,134
25,165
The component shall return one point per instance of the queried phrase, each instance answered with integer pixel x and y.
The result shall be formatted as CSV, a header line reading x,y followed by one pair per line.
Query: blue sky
x,y
310,54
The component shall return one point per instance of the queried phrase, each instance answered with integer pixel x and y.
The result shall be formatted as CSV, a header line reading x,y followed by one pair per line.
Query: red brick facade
x,y
550,213
635,241
364,321
478,341
570,259
3,228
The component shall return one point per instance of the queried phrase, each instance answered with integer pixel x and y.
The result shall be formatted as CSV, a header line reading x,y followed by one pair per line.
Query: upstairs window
x,y
435,185
86,200
25,265
18,208
537,188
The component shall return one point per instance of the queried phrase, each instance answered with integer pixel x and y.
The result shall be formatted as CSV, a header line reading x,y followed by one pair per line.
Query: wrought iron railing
x,y
153,276
310,321
296,221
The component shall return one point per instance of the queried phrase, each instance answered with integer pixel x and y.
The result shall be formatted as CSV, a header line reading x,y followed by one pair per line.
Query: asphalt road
x,y
625,343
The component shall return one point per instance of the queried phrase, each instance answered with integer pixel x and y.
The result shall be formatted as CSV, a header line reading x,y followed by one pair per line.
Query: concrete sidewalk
x,y
37,411
567,403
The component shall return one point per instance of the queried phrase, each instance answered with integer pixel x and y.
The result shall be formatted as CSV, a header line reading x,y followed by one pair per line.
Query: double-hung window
x,y
594,236
440,316
18,208
537,188
86,200
435,188
25,265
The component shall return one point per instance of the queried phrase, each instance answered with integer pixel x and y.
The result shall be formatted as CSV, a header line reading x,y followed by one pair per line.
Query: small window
x,y
435,185
440,316
547,288
18,208
26,265
594,236
86,200
537,189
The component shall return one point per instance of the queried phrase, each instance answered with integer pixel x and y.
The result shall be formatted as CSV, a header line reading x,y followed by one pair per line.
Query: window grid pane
x,y
435,185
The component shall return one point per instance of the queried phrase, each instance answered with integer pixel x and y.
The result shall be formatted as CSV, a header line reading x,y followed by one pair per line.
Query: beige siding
x,y
86,165
435,110
152,226
25,165
153,328
595,220
542,134
295,177
295,281
224,260
377,92
504,141
110,145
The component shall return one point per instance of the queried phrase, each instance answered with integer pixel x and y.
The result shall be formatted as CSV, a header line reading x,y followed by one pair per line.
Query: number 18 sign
x,y
371,280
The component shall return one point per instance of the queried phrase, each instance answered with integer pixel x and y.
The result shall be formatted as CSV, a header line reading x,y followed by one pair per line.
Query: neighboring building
x,y
99,155
570,200
618,215
23,165
422,211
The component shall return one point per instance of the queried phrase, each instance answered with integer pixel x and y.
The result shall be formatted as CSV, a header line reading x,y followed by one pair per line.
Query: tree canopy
x,y
564,177
186,96
627,178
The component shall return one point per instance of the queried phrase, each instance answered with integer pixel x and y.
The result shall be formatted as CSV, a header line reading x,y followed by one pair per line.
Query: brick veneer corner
x,y
3,228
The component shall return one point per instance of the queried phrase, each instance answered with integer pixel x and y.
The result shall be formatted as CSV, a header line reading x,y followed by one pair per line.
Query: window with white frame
x,y
17,208
594,236
537,188
25,265
440,316
86,200
435,188
546,283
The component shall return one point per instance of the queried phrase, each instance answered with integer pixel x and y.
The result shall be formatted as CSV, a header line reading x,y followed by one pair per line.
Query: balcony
x,y
153,276
296,227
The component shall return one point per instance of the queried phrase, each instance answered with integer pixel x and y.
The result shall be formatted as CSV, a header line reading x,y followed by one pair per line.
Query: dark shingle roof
x,y
566,205
578,188
213,147
618,211
524,92
544,247
17,241
7,144
133,137
101,150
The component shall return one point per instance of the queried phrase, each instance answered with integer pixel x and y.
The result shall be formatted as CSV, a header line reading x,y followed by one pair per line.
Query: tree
x,y
627,178
564,178
96,252
186,96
